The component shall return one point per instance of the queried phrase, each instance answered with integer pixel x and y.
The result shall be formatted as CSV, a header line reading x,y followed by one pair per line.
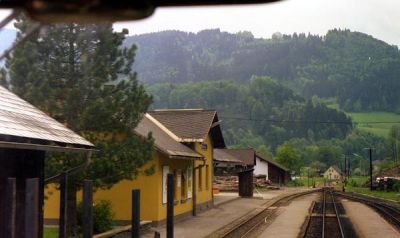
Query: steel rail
x,y
263,218
387,211
337,215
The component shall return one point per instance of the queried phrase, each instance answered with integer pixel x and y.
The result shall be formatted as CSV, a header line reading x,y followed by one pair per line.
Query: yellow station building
x,y
184,140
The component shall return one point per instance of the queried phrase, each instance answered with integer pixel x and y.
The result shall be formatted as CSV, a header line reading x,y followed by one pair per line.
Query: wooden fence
x,y
32,216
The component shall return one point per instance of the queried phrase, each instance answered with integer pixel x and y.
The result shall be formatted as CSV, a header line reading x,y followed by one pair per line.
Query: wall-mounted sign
x,y
204,146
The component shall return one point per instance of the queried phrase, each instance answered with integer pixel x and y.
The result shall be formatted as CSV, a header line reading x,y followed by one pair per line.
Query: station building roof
x,y
163,141
190,125
24,126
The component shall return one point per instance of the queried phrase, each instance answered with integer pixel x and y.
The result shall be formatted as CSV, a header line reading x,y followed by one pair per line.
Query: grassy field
x,y
50,232
355,185
381,129
380,194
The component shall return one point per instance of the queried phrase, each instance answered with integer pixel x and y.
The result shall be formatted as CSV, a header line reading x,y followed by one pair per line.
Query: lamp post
x,y
359,163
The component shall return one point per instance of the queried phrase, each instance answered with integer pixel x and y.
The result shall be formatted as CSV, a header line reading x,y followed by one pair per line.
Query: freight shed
x,y
274,172
26,134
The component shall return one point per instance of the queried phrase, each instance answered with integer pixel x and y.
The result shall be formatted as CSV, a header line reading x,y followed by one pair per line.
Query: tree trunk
x,y
72,225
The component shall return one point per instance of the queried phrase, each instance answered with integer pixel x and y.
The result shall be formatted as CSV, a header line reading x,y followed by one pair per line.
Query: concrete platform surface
x,y
229,209
291,218
367,222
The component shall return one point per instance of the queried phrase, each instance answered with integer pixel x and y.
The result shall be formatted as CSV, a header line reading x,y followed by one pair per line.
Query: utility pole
x,y
345,166
370,166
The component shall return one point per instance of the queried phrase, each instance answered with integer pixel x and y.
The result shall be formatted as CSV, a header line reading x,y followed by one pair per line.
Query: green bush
x,y
295,183
103,217
396,186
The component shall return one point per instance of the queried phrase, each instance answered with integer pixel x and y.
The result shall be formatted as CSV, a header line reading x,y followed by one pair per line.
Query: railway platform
x,y
228,208
367,222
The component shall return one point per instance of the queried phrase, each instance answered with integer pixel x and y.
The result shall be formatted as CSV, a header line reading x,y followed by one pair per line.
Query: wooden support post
x,y
62,230
87,209
135,213
194,191
32,208
170,206
10,208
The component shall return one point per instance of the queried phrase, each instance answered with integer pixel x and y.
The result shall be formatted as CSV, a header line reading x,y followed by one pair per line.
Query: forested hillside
x,y
361,72
261,109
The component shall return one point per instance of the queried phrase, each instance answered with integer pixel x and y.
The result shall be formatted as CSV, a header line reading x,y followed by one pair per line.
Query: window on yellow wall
x,y
176,184
207,177
184,185
200,178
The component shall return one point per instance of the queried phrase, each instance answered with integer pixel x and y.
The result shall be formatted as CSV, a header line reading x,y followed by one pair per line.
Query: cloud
x,y
377,18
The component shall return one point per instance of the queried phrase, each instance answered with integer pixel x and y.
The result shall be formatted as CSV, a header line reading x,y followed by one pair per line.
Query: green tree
x,y
288,156
80,75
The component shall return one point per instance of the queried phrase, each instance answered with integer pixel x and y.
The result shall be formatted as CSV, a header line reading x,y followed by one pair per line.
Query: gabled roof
x,y
221,155
22,123
335,168
271,161
163,141
190,125
246,155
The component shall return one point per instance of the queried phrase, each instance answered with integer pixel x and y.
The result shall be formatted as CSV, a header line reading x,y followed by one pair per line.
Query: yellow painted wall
x,y
151,206
204,194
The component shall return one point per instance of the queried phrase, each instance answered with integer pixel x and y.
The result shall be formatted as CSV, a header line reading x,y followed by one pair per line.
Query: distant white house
x,y
273,171
333,173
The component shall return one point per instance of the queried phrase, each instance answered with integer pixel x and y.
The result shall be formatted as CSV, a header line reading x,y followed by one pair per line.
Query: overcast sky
x,y
380,18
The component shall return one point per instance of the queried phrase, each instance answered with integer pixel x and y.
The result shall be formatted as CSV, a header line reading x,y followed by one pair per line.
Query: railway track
x,y
389,211
327,219
251,226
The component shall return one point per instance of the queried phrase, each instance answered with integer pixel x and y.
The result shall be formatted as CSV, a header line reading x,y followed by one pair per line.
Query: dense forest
x,y
361,72
266,115
271,93
262,108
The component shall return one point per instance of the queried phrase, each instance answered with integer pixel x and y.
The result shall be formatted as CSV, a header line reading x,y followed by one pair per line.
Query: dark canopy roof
x,y
246,155
271,161
164,142
191,125
221,155
25,125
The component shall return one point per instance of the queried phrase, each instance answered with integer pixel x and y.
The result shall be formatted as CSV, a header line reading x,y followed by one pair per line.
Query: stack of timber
x,y
226,183
231,183
261,181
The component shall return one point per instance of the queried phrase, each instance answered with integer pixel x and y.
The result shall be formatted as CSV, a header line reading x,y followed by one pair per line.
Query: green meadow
x,y
386,119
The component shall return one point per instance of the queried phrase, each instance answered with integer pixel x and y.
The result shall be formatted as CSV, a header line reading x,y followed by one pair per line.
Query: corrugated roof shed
x,y
20,120
191,125
164,142
221,155
246,155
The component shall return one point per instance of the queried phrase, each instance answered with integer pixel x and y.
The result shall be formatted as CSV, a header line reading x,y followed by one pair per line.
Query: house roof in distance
x,y
190,125
271,161
21,123
163,141
221,155
335,168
